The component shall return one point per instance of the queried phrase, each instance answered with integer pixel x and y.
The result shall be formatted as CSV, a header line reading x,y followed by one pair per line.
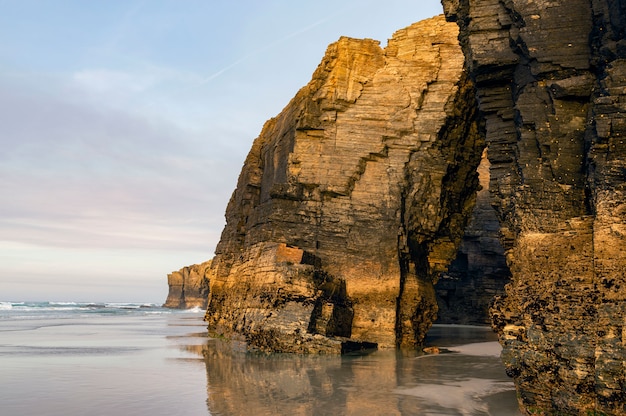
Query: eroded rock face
x,y
352,200
188,287
551,78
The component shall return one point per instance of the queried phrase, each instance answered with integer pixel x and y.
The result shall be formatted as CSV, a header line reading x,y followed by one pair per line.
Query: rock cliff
x,y
551,83
352,200
355,198
188,287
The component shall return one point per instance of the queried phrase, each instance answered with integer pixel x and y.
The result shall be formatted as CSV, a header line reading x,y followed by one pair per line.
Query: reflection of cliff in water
x,y
385,382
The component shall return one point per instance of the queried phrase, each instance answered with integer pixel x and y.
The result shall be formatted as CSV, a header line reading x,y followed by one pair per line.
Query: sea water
x,y
118,359
140,359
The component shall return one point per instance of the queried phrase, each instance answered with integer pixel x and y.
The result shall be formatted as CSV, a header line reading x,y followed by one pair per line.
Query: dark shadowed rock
x,y
551,81
479,272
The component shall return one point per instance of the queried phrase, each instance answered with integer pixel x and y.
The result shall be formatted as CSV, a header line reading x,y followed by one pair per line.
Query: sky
x,y
124,125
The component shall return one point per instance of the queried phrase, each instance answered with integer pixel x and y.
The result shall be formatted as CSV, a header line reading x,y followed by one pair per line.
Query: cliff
x,y
550,79
352,200
188,287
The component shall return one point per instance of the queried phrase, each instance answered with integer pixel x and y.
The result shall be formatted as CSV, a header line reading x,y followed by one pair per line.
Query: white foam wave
x,y
130,305
34,309
122,305
195,309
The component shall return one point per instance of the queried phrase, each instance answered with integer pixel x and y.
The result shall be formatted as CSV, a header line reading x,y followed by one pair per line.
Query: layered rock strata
x,y
352,200
551,82
188,287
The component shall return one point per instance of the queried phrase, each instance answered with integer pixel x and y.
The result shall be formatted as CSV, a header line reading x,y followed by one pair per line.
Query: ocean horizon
x,y
101,358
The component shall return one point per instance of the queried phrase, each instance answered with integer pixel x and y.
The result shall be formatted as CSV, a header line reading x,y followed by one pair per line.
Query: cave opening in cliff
x,y
479,272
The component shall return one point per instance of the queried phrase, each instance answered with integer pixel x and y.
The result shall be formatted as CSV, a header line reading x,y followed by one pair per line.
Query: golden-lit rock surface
x,y
188,287
352,200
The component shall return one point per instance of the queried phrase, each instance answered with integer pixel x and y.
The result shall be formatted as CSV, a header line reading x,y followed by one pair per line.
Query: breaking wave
x,y
60,309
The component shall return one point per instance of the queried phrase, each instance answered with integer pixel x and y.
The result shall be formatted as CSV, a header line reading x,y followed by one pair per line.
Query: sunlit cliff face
x,y
369,175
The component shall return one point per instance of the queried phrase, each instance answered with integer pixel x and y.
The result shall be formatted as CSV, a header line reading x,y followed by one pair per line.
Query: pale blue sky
x,y
124,125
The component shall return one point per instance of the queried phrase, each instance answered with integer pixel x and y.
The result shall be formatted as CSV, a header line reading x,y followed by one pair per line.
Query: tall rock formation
x,y
352,200
551,82
188,287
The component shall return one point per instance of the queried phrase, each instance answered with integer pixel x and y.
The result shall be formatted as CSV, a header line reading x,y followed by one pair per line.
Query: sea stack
x,y
188,287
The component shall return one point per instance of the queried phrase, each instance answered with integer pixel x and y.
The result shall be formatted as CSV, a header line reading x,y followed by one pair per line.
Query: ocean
x,y
71,358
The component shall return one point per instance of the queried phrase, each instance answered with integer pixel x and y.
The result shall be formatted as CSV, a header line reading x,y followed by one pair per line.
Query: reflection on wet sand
x,y
466,381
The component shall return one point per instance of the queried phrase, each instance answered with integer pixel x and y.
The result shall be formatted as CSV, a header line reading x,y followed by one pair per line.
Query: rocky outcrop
x,y
188,287
551,83
352,200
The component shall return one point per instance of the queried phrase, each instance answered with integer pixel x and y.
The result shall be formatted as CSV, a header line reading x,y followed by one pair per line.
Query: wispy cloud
x,y
270,45
79,175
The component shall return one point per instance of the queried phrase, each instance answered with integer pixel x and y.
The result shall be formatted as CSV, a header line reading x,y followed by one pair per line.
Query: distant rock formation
x,y
551,81
352,200
188,287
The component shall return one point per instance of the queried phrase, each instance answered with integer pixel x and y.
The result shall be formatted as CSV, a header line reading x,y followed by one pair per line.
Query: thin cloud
x,y
120,29
270,46
91,176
